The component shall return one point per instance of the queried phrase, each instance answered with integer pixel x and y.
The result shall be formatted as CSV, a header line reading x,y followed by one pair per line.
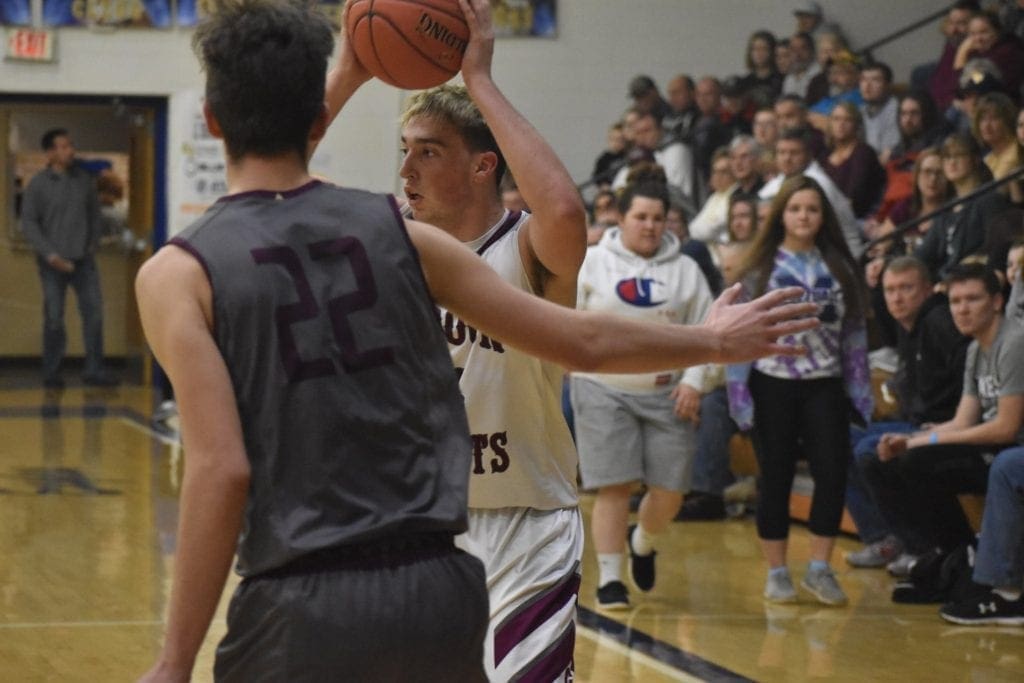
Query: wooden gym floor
x,y
88,503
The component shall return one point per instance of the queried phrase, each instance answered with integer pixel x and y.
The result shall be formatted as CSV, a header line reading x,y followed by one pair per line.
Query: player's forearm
x,y
611,343
212,505
541,177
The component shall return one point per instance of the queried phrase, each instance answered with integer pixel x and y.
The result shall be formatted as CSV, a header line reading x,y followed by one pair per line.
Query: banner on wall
x,y
525,18
201,168
15,12
121,13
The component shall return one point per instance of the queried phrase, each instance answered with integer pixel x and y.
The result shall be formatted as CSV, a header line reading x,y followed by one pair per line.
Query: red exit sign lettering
x,y
30,45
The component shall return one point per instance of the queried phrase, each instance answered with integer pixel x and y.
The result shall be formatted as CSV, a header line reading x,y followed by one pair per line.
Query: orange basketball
x,y
410,44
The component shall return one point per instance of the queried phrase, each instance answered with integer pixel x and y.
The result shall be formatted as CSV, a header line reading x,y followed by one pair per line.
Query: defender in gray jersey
x,y
323,429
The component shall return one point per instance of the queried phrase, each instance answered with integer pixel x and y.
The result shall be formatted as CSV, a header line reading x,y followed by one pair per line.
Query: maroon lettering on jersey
x,y
498,442
458,333
479,446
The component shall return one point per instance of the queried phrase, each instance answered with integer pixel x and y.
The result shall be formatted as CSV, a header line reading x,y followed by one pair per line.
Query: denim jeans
x,y
85,280
860,502
711,473
1000,558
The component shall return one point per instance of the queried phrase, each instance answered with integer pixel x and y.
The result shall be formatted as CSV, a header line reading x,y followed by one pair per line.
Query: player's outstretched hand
x,y
751,330
476,62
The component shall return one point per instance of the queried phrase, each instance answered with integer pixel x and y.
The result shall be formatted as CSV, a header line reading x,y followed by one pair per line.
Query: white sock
x,y
609,568
1008,594
643,542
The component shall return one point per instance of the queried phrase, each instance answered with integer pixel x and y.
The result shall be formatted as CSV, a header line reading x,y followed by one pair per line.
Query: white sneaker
x,y
901,566
779,588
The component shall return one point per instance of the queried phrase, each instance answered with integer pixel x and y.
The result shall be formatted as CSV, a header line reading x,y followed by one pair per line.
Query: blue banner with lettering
x,y
15,12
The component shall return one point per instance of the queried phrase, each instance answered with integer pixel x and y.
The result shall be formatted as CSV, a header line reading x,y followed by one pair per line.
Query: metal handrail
x,y
984,188
899,33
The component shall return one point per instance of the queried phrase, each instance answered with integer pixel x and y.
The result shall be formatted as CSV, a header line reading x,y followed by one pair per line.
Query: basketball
x,y
411,44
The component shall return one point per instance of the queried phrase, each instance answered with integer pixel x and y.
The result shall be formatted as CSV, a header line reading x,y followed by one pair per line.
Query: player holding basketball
x,y
324,431
524,519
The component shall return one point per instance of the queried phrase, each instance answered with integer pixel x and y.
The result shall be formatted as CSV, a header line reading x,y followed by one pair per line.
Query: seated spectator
x,y
793,157
683,112
916,477
675,158
995,117
920,127
744,161
803,66
880,109
791,113
931,354
646,97
942,84
844,80
743,227
737,109
986,40
850,162
605,214
829,45
763,81
766,132
962,231
999,560
783,57
931,190
709,225
614,155
979,78
710,132
676,223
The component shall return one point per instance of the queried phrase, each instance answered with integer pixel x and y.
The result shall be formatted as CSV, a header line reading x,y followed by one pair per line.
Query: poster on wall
x,y
201,168
15,12
130,13
525,18
64,13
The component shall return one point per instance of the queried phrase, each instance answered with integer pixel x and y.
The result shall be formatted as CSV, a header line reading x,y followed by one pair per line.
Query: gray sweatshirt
x,y
60,213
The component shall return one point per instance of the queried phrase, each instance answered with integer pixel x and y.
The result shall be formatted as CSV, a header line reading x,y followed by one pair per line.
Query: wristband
x,y
933,438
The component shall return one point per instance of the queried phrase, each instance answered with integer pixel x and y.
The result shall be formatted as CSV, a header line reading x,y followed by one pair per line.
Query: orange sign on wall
x,y
30,45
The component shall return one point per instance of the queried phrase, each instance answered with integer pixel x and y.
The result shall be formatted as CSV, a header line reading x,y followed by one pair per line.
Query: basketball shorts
x,y
421,620
625,437
532,558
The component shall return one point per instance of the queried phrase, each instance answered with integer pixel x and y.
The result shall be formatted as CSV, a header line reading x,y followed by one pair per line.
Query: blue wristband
x,y
933,438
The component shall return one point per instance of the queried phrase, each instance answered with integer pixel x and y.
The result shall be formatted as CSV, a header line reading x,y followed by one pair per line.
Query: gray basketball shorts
x,y
421,621
623,437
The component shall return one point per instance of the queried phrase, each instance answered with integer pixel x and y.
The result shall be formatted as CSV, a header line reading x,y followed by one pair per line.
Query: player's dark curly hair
x,y
266,66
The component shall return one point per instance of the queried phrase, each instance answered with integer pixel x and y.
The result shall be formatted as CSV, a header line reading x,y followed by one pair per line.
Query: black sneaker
x,y
701,507
989,608
641,567
613,595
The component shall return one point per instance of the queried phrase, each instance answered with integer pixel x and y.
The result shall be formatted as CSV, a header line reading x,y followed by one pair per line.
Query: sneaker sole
x,y
613,606
985,621
821,598
859,564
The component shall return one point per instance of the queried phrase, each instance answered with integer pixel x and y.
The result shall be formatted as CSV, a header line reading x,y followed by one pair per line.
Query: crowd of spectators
x,y
817,166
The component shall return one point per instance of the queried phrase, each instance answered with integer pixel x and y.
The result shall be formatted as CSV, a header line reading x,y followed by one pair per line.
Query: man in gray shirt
x,y
916,477
60,219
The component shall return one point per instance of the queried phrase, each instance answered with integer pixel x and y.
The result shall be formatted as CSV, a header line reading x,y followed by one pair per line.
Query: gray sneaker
x,y
901,566
822,584
877,554
779,588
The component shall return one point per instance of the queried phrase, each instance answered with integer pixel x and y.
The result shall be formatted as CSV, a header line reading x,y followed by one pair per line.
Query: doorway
x,y
122,141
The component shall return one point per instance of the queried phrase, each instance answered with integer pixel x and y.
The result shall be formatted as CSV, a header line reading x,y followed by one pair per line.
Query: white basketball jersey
x,y
523,454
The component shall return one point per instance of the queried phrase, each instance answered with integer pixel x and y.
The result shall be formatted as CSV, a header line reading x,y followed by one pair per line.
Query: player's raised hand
x,y
753,329
476,62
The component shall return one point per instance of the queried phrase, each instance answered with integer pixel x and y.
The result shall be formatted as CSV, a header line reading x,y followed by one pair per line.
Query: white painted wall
x,y
571,88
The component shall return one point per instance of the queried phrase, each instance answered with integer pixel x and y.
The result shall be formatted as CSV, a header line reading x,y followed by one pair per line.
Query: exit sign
x,y
30,45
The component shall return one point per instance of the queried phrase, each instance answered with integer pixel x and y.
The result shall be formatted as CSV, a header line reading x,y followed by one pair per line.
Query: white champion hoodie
x,y
668,287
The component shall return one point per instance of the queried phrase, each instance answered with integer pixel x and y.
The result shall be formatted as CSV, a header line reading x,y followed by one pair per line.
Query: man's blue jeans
x,y
1000,558
86,282
859,502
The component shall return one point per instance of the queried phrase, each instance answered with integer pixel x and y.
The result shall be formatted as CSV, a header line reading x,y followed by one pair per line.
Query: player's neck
x,y
474,221
260,173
